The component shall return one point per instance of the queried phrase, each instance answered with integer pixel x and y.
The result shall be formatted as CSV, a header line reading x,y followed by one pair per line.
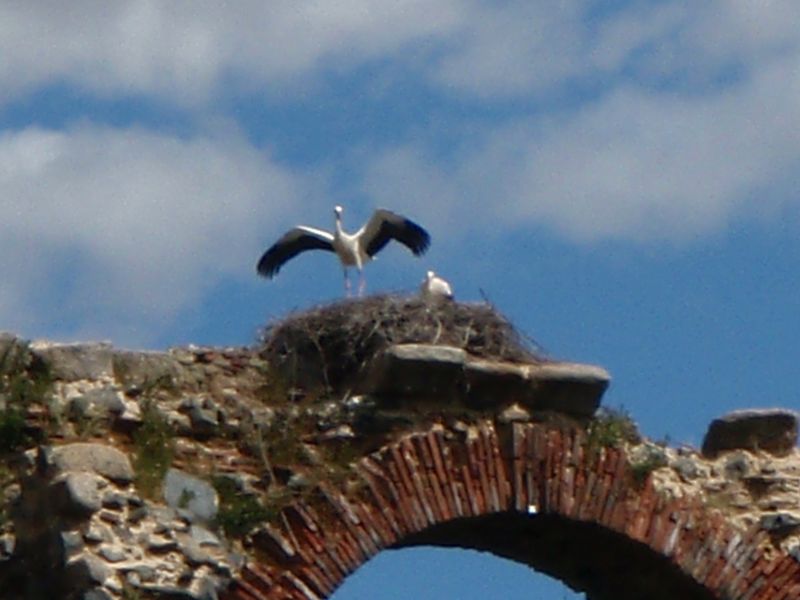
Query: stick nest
x,y
330,344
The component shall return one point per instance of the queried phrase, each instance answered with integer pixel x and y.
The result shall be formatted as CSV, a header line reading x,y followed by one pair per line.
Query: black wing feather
x,y
292,243
388,225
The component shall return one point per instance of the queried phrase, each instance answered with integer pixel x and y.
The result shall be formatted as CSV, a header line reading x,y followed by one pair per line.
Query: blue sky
x,y
619,178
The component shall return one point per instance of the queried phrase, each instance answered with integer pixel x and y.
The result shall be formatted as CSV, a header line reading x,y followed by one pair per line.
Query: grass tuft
x,y
649,459
154,448
612,428
24,381
238,513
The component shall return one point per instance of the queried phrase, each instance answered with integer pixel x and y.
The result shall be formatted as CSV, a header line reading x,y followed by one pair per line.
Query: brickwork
x,y
520,470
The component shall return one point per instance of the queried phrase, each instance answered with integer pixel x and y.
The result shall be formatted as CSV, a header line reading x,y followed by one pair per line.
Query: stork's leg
x,y
362,283
346,283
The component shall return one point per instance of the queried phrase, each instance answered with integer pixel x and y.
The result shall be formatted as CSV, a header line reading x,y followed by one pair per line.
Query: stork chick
x,y
434,288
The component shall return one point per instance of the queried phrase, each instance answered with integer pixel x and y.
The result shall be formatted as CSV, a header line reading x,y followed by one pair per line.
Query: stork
x,y
434,288
353,250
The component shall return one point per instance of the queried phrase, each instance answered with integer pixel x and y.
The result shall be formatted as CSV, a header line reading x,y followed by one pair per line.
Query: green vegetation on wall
x,y
154,449
612,428
23,382
238,513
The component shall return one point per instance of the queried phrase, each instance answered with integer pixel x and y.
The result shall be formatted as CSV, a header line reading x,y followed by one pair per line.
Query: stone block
x,y
572,388
768,430
491,382
450,374
415,370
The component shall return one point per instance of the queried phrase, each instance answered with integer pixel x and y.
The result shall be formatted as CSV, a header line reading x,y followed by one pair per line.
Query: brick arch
x,y
526,492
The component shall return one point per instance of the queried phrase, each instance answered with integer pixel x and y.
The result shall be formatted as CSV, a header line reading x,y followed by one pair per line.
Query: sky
x,y
620,178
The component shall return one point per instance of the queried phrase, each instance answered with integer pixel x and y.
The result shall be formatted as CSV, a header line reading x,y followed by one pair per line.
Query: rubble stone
x,y
98,402
112,554
78,492
194,495
72,542
514,414
140,370
71,362
87,568
98,593
100,458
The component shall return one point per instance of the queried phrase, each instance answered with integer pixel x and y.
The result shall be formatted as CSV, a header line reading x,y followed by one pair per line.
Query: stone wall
x,y
199,473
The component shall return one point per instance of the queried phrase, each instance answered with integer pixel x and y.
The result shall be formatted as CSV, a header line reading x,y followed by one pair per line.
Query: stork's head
x,y
337,211
430,275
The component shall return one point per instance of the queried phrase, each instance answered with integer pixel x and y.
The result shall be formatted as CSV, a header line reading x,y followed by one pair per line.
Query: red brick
x,y
433,482
424,479
519,493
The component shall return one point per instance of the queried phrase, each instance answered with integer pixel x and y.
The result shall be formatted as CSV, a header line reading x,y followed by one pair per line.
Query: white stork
x,y
434,288
352,249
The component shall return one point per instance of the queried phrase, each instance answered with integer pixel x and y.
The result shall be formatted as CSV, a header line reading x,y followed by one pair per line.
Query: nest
x,y
330,344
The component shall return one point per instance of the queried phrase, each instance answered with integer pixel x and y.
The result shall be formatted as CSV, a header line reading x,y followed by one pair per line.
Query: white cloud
x,y
516,47
190,51
717,138
743,30
632,165
126,228
187,50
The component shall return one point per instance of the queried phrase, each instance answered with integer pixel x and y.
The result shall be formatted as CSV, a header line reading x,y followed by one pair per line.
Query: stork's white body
x,y
353,250
349,249
348,245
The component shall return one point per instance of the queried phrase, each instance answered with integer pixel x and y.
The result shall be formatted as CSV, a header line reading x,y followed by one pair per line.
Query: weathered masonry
x,y
530,493
184,475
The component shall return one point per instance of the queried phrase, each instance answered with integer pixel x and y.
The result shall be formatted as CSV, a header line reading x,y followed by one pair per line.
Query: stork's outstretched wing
x,y
384,225
292,243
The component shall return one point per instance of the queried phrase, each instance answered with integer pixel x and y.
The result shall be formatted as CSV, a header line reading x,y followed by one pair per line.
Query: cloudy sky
x,y
620,178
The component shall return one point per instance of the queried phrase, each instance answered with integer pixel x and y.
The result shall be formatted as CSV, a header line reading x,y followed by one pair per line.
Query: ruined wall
x,y
199,473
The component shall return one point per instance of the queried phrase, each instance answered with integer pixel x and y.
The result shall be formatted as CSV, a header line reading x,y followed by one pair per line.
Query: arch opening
x,y
435,572
586,557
